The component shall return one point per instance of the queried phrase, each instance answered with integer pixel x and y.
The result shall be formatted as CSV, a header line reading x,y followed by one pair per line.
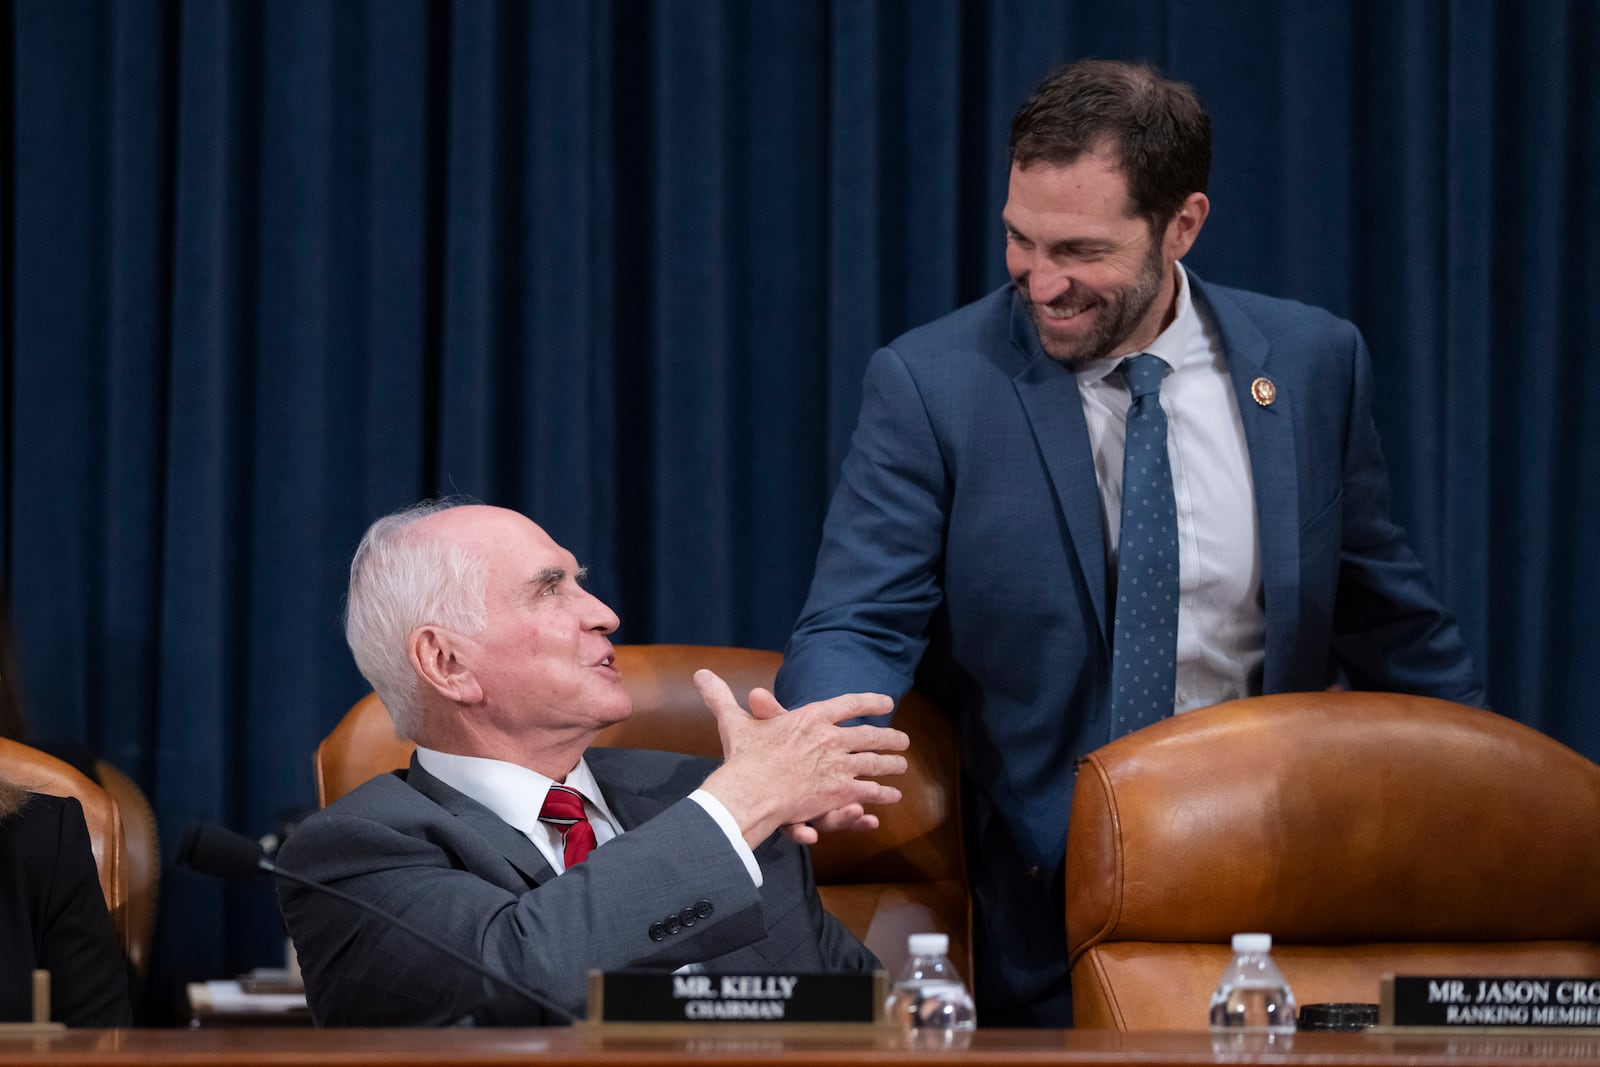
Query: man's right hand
x,y
787,769
851,817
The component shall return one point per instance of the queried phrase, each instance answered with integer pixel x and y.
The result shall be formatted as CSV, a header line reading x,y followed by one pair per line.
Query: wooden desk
x,y
793,1047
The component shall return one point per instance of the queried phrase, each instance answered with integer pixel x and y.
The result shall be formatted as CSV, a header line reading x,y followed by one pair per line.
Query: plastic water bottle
x,y
1252,997
929,1001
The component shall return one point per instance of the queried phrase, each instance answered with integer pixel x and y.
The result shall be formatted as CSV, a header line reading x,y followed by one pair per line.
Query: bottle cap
x,y
928,944
1338,1016
1252,943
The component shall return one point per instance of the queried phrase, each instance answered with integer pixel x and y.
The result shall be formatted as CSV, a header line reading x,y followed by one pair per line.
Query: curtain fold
x,y
272,269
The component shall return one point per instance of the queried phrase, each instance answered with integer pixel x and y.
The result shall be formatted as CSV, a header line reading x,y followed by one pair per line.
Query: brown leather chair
x,y
39,772
141,859
1368,833
906,877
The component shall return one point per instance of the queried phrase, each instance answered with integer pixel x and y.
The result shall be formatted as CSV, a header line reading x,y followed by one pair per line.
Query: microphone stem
x,y
475,966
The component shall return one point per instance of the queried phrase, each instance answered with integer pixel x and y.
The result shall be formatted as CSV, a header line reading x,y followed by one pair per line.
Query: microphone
x,y
222,853
229,855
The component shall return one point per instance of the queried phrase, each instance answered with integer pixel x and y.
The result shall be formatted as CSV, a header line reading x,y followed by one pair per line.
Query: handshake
x,y
800,771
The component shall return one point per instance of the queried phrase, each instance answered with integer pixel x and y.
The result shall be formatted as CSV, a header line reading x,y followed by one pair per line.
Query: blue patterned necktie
x,y
1144,637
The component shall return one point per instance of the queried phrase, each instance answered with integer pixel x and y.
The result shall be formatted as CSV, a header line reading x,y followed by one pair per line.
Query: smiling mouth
x,y
1061,314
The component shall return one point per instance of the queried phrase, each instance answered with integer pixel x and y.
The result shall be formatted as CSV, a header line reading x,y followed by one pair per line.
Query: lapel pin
x,y
1264,391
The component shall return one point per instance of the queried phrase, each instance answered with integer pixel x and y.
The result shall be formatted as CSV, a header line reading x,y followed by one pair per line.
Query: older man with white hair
x,y
512,840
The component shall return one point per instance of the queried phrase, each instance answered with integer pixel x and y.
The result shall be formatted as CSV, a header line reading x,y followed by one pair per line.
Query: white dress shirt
x,y
1221,625
516,794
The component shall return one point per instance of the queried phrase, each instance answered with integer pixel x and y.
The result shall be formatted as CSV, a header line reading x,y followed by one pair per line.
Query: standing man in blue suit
x,y
972,542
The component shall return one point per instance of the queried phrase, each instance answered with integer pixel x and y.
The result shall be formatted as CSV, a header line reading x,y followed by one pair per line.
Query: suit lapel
x,y
1269,434
511,842
1054,409
631,808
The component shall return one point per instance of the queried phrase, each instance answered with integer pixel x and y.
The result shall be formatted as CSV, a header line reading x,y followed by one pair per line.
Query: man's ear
x,y
436,654
1185,225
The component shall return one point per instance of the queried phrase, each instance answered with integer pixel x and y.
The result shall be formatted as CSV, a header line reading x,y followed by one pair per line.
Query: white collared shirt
x,y
1221,622
516,794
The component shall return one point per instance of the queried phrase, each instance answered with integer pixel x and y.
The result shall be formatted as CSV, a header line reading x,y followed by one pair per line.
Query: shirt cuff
x,y
730,828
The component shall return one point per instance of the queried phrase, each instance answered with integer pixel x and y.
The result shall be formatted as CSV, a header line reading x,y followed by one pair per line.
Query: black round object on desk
x,y
1338,1016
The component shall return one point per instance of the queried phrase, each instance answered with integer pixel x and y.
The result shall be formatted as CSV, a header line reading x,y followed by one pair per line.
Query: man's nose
x,y
602,618
1047,281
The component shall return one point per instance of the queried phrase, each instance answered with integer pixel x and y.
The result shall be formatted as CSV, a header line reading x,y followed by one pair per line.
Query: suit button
x,y
672,924
1033,872
658,932
703,909
688,917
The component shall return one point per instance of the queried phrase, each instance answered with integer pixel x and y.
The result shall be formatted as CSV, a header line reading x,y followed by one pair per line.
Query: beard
x,y
1121,313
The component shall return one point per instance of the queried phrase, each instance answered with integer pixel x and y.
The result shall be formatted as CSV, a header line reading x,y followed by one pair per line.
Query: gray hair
x,y
398,582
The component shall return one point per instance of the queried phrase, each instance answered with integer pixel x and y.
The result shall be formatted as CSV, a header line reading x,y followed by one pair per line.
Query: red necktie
x,y
563,808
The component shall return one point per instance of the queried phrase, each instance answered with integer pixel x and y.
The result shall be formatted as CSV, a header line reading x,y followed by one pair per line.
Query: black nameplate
x,y
655,997
1455,1000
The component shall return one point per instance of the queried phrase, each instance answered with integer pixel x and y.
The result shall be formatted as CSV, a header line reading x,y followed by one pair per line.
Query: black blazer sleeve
x,y
53,915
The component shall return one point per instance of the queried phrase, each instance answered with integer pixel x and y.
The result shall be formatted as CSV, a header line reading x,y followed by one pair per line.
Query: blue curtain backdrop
x,y
268,270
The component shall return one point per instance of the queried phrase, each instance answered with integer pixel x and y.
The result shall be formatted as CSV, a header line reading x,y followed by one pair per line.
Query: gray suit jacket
x,y
416,848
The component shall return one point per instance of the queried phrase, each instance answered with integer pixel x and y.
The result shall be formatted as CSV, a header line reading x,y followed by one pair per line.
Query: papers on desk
x,y
227,997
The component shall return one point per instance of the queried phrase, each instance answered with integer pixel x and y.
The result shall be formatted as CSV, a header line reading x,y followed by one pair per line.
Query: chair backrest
x,y
908,876
39,772
1368,833
142,860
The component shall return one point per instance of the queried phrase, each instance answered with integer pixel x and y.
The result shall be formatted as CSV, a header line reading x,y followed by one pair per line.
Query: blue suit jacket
x,y
415,847
964,549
